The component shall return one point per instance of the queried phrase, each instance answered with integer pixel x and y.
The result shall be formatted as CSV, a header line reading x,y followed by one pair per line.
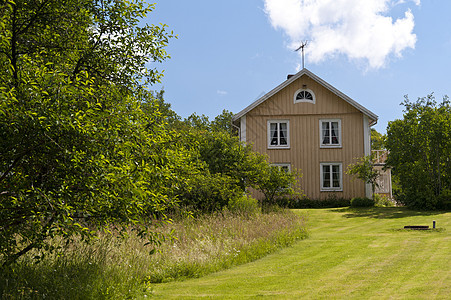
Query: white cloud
x,y
361,30
221,93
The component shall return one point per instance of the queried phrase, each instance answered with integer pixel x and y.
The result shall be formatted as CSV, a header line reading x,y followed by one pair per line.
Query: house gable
x,y
280,100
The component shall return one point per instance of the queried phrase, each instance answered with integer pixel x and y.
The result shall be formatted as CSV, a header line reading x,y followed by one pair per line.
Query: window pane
x,y
284,168
273,133
283,134
334,126
326,134
336,175
304,95
326,176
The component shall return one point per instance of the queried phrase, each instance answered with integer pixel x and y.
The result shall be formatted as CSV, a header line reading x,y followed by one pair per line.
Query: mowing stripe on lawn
x,y
351,253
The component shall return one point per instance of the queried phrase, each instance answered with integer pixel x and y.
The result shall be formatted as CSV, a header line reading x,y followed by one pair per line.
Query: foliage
x,y
276,182
383,201
221,123
362,202
224,168
207,192
444,200
76,151
330,202
244,205
364,170
420,147
377,140
155,102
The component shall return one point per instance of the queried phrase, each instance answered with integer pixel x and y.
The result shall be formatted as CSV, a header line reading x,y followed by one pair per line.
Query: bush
x,y
444,200
362,202
330,202
208,193
383,201
244,205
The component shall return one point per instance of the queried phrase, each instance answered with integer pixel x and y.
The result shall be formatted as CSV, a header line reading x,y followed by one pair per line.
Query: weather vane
x,y
301,47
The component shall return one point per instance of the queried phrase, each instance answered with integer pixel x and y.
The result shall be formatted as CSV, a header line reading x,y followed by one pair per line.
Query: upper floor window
x,y
304,95
279,134
330,136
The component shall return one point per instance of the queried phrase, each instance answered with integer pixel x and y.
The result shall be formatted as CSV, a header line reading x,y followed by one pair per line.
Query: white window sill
x,y
332,190
330,146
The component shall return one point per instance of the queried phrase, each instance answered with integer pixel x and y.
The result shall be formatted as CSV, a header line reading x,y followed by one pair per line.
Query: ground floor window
x,y
331,177
284,167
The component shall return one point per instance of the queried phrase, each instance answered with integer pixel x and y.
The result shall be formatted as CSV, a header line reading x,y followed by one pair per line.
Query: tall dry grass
x,y
117,268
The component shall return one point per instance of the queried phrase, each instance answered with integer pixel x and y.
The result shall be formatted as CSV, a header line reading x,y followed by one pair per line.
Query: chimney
x,y
289,76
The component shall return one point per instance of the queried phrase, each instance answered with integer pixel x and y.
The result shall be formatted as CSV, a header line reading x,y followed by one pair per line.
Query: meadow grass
x,y
350,254
116,268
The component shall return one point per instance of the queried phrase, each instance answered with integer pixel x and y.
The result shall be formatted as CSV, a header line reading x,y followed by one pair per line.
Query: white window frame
x,y
331,188
330,145
278,146
281,165
304,100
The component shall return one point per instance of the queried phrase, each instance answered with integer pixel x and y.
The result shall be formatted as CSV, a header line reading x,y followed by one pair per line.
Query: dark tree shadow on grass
x,y
385,212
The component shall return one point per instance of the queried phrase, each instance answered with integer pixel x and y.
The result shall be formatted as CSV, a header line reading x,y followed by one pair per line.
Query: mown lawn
x,y
351,253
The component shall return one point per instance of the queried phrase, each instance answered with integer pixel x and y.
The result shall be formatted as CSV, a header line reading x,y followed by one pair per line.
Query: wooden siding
x,y
305,153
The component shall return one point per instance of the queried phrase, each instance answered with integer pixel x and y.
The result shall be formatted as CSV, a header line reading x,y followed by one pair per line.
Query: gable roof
x,y
287,82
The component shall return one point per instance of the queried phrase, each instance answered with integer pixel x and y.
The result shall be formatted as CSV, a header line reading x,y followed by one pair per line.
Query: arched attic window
x,y
304,95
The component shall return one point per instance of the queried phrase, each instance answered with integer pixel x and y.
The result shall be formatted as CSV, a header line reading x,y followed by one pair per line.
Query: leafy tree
x,y
155,102
275,182
226,168
420,149
364,170
223,122
76,149
197,122
377,140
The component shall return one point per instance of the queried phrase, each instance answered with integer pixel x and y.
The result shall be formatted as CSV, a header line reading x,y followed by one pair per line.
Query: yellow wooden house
x,y
307,124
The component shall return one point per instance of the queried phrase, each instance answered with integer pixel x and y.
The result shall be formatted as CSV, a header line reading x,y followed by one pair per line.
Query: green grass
x,y
350,254
112,268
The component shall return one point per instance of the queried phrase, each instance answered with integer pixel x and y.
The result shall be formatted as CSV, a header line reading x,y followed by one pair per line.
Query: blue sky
x,y
228,53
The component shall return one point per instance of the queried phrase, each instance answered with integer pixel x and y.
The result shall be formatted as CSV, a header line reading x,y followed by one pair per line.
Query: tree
x,y
223,122
223,168
377,140
155,102
364,170
76,149
420,148
276,182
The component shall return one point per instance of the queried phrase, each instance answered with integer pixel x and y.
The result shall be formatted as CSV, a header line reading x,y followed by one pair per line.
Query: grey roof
x,y
304,71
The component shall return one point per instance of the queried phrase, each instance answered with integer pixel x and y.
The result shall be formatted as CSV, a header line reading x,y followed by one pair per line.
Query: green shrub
x,y
362,202
208,193
444,200
245,205
383,201
330,202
